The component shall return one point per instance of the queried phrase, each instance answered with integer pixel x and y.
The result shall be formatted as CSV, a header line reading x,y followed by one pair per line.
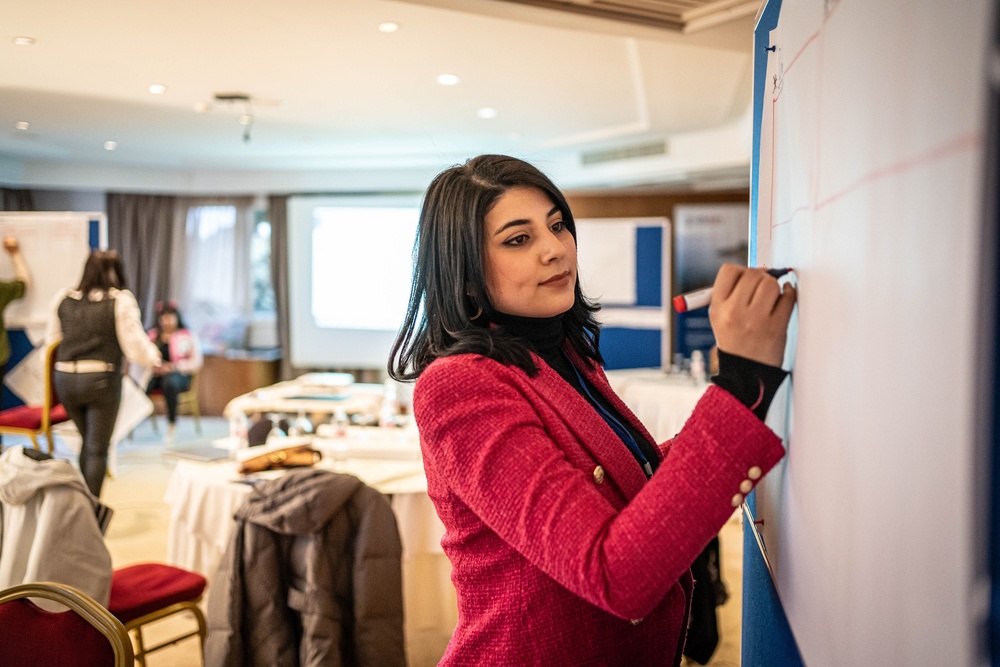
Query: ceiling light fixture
x,y
22,125
246,120
24,41
487,113
388,26
110,145
157,89
448,79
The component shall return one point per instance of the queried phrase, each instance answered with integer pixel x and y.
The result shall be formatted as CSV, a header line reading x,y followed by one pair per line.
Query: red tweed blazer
x,y
562,552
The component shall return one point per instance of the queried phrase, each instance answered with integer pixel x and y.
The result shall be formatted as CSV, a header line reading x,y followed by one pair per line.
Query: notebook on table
x,y
202,452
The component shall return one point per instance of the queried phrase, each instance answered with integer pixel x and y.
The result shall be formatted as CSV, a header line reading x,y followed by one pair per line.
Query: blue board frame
x,y
767,636
991,305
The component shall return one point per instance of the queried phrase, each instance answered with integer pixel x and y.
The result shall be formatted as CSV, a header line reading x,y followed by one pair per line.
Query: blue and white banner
x,y
625,266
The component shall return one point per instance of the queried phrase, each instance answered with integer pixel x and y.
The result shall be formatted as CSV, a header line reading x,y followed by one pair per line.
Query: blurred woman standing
x,y
99,324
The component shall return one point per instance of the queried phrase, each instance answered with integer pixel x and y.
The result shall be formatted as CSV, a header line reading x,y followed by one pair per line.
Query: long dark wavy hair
x,y
449,277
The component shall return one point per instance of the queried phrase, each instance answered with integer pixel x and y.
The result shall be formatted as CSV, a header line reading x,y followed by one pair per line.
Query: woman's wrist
x,y
754,384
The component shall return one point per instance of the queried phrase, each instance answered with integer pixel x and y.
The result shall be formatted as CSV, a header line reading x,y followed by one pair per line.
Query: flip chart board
x,y
867,180
55,246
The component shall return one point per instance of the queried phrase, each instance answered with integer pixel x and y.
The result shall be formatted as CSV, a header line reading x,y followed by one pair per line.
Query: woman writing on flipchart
x,y
11,290
99,324
569,529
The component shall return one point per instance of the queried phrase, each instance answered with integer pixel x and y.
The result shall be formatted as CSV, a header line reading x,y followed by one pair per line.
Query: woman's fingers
x,y
766,292
750,313
746,285
786,302
725,281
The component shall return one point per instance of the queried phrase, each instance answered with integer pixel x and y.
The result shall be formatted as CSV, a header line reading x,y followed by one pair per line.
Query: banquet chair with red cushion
x,y
148,592
35,420
139,593
86,635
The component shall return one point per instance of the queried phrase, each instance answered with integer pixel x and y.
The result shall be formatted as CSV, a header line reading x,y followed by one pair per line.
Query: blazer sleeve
x,y
482,437
133,340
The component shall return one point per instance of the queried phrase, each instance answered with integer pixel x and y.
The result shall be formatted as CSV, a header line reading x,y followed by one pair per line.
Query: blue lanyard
x,y
615,425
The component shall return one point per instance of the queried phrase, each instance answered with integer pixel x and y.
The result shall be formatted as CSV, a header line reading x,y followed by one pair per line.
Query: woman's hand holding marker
x,y
749,313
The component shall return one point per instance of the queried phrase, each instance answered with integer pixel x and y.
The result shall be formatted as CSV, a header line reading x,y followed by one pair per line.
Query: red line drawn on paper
x,y
962,143
800,209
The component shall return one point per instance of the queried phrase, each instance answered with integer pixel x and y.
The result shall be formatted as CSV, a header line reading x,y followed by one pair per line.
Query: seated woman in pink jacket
x,y
181,359
569,529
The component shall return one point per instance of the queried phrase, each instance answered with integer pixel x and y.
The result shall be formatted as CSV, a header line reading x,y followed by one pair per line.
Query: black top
x,y
88,329
754,384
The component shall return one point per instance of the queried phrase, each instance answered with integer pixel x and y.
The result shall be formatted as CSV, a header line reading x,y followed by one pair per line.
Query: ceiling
x,y
338,105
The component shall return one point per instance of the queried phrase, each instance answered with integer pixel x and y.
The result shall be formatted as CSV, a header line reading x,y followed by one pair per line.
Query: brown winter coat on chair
x,y
311,576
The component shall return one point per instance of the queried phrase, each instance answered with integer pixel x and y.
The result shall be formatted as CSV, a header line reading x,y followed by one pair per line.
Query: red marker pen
x,y
702,297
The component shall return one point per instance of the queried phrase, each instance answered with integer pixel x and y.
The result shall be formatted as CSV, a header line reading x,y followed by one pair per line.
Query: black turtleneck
x,y
545,337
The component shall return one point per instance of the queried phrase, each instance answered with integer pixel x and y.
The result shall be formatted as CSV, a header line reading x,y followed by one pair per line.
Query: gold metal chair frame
x,y
136,624
46,426
83,605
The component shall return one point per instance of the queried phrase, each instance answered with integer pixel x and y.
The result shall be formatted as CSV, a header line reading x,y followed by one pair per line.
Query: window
x,y
262,289
215,274
212,255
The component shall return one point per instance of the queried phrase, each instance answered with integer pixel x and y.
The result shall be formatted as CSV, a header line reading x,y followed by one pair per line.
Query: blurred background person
x,y
11,290
99,324
182,358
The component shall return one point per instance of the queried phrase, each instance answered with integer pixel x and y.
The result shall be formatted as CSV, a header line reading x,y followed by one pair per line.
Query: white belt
x,y
84,366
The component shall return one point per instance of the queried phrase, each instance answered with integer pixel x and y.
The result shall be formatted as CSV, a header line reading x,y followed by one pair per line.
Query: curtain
x,y
277,211
17,200
212,277
142,229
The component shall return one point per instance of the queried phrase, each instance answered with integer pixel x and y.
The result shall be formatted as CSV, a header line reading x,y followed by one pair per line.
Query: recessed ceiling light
x,y
24,41
448,79
487,112
157,89
110,145
22,125
388,26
